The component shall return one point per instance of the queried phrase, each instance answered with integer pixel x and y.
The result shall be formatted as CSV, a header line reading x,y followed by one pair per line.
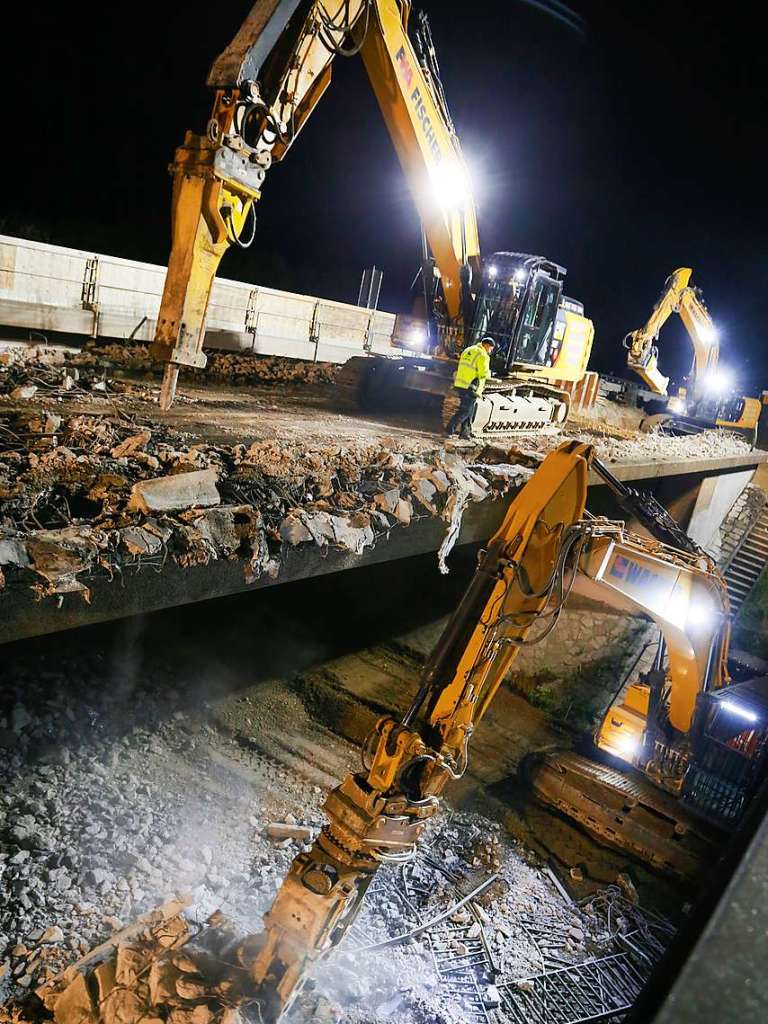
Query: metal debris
x,y
597,990
435,921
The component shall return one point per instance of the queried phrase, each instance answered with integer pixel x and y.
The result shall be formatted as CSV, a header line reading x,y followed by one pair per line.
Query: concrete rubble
x,y
85,494
222,366
91,483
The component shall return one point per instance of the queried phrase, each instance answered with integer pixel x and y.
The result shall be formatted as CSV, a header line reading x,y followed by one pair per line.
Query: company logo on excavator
x,y
630,572
405,67
416,99
653,584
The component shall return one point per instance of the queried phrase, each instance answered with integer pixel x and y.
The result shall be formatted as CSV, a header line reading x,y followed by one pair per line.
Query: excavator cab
x,y
729,751
520,304
517,306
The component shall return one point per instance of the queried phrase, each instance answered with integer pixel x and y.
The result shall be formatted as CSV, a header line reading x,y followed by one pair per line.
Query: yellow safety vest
x,y
474,365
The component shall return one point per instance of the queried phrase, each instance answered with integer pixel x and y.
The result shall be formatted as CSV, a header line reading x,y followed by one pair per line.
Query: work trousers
x,y
461,421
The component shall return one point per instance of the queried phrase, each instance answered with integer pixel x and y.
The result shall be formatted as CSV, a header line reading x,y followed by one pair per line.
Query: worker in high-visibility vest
x,y
473,371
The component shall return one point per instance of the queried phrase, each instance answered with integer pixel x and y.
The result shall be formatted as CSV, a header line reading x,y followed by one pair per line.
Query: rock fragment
x,y
279,830
172,493
131,445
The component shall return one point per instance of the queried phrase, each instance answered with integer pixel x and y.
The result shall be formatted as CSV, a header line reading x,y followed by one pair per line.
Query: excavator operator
x,y
473,371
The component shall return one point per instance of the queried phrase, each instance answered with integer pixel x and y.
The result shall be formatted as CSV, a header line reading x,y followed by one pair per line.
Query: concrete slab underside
x,y
146,589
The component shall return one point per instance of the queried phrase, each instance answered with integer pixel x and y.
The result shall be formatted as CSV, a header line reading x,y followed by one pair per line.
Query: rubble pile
x,y
83,494
229,367
53,376
114,796
421,950
612,446
92,484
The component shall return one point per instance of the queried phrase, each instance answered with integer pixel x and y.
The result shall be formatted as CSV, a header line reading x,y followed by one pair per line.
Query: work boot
x,y
467,435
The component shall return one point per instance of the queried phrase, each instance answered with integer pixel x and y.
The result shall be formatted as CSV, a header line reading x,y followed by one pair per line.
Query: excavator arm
x,y
678,297
703,335
375,816
266,84
545,548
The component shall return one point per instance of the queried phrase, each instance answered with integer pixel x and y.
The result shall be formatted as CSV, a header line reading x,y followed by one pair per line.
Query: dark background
x,y
622,147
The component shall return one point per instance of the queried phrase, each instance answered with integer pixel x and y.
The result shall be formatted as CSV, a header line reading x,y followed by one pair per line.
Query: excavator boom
x,y
642,353
267,83
546,547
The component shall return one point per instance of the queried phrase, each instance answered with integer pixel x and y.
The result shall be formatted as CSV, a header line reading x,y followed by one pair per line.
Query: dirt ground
x,y
272,398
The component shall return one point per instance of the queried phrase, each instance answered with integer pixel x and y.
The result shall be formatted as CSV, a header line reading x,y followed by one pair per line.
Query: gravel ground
x,y
113,800
124,785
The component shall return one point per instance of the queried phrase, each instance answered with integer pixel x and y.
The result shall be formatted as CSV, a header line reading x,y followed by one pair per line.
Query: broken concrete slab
x,y
13,551
173,493
217,527
24,391
293,531
59,556
388,500
74,1005
137,540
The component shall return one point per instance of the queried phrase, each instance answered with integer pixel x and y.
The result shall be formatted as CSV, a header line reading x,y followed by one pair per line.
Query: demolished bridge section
x,y
109,509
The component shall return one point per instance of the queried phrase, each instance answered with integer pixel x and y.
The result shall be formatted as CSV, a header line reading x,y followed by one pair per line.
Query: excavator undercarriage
x,y
622,809
504,408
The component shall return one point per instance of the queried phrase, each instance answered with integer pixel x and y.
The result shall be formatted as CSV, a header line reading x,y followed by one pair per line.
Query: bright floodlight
x,y
700,613
417,337
708,335
740,712
450,183
685,611
520,274
493,270
718,382
627,745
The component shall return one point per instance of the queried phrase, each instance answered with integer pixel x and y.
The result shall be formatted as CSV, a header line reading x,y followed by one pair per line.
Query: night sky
x,y
621,151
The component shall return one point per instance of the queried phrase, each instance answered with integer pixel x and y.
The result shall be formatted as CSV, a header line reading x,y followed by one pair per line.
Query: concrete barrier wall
x,y
51,288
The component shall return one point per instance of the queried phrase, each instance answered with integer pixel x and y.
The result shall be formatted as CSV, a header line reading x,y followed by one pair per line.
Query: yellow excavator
x,y
267,82
547,547
685,730
704,401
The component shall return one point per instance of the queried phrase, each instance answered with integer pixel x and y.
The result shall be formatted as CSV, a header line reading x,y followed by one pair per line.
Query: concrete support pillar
x,y
715,499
